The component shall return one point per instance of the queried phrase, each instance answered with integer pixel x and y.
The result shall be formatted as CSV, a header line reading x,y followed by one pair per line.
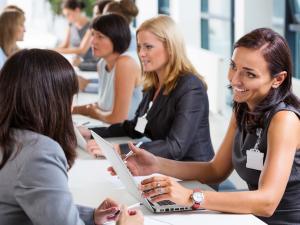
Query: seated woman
x,y
174,109
37,145
262,142
77,40
119,74
11,30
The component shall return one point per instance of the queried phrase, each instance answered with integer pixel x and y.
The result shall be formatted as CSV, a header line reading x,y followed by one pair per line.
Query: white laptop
x,y
81,142
129,182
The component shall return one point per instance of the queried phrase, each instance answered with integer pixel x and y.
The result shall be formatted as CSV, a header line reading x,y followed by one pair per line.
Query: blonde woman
x,y
174,109
11,30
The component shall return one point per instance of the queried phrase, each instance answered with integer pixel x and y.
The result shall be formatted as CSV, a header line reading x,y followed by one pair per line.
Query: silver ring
x,y
158,185
160,191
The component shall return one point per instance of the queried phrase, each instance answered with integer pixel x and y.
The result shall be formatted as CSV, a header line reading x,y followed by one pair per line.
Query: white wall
x,y
252,14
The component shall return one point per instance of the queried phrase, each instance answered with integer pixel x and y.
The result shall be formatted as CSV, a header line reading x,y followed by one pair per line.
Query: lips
x,y
240,90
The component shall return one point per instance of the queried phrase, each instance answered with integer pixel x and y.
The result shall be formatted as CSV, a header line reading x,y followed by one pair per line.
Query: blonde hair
x,y
165,29
10,19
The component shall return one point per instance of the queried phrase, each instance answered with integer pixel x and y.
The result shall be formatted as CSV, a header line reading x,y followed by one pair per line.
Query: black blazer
x,y
177,123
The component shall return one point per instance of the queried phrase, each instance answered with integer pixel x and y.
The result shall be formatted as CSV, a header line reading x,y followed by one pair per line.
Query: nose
x,y
233,77
142,52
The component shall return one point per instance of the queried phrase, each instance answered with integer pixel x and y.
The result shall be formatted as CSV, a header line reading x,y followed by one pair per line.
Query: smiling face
x,y
102,46
249,76
152,52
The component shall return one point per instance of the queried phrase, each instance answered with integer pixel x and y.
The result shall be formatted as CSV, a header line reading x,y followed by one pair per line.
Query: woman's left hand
x,y
160,188
107,211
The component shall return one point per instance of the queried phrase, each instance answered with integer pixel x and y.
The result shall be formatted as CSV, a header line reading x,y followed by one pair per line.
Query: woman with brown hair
x,y
262,142
37,144
11,30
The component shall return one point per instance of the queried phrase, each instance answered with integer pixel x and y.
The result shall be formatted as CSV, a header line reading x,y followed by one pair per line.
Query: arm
x,y
283,140
85,44
126,78
42,189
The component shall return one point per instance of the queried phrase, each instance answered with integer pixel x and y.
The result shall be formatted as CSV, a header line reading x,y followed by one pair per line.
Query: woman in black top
x,y
262,142
174,109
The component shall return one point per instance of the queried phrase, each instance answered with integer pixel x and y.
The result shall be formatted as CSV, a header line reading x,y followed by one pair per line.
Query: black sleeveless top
x,y
288,210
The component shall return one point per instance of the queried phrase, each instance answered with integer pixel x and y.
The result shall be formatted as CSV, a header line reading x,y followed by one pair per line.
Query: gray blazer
x,y
34,185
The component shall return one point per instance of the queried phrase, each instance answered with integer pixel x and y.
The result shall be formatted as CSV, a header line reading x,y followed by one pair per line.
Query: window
x,y
292,32
278,16
164,7
216,26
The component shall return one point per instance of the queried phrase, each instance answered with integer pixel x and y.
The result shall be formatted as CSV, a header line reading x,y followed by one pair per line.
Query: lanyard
x,y
149,107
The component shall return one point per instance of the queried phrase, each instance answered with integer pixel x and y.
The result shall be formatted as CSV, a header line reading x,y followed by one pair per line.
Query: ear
x,y
277,81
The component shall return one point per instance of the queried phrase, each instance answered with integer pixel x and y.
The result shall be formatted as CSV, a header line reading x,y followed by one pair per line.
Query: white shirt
x,y
3,58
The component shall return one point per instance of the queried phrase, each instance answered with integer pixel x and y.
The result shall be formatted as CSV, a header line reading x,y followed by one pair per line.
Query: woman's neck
x,y
81,21
111,61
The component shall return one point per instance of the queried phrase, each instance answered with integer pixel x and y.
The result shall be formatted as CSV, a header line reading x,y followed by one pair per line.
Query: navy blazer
x,y
178,124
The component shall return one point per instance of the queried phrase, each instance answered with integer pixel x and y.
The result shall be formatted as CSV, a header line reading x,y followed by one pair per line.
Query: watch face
x,y
198,197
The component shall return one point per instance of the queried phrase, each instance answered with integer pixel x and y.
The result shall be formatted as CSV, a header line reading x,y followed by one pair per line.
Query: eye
x,y
148,47
232,65
251,75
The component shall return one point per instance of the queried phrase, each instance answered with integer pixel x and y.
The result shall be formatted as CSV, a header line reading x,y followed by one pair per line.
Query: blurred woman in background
x,y
11,30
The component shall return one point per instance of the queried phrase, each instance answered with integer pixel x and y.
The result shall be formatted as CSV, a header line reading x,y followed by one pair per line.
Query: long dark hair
x,y
276,52
36,94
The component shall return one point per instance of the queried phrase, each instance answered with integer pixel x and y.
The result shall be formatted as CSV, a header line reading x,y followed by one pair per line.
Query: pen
x,y
131,152
133,206
84,123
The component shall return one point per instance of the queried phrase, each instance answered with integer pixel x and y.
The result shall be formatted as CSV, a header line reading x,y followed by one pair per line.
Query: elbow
x,y
114,119
266,209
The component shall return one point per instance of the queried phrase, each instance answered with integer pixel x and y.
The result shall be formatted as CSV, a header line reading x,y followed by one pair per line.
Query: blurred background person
x,y
11,30
77,40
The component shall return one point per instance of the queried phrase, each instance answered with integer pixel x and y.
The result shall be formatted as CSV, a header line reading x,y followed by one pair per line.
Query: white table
x,y
90,184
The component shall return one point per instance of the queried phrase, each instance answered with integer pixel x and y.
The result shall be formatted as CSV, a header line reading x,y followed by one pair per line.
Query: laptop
x,y
130,183
81,142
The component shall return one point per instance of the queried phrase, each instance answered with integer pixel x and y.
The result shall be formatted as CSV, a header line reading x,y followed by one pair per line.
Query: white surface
x,y
90,184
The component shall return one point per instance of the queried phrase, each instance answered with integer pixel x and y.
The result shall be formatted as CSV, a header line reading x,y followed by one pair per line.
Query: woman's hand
x,y
85,132
107,211
140,163
93,148
160,188
91,110
130,217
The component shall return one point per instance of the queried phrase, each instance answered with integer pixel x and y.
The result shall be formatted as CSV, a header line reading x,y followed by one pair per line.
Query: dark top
x,y
288,210
76,38
177,123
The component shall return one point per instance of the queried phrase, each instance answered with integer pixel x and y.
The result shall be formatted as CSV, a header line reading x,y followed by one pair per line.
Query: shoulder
x,y
125,60
188,83
39,148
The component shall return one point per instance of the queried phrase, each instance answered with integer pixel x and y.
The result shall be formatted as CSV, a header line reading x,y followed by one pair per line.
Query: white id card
x,y
141,124
255,159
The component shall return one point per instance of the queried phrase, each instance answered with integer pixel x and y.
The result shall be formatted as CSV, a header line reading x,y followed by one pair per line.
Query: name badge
x,y
141,124
255,159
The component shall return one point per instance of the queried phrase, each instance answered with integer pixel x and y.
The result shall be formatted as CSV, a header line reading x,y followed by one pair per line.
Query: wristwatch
x,y
197,198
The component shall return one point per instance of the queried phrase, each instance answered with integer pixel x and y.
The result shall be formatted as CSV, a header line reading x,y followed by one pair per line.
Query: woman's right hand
x,y
130,217
93,148
141,163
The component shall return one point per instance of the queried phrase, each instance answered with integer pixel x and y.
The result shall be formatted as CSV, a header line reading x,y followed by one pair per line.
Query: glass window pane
x,y
220,37
164,7
220,7
297,56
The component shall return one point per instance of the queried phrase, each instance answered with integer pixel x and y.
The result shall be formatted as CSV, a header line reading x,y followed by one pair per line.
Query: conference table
x,y
90,183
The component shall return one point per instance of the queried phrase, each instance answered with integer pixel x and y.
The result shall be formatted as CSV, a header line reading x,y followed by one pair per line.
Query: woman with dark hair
x,y
262,142
37,144
119,74
77,40
129,10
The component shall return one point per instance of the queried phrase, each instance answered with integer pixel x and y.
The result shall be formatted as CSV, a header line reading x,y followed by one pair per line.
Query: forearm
x,y
65,50
254,202
201,171
111,117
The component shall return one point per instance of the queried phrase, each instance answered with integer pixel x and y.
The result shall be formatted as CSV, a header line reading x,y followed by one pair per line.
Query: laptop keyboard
x,y
165,202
